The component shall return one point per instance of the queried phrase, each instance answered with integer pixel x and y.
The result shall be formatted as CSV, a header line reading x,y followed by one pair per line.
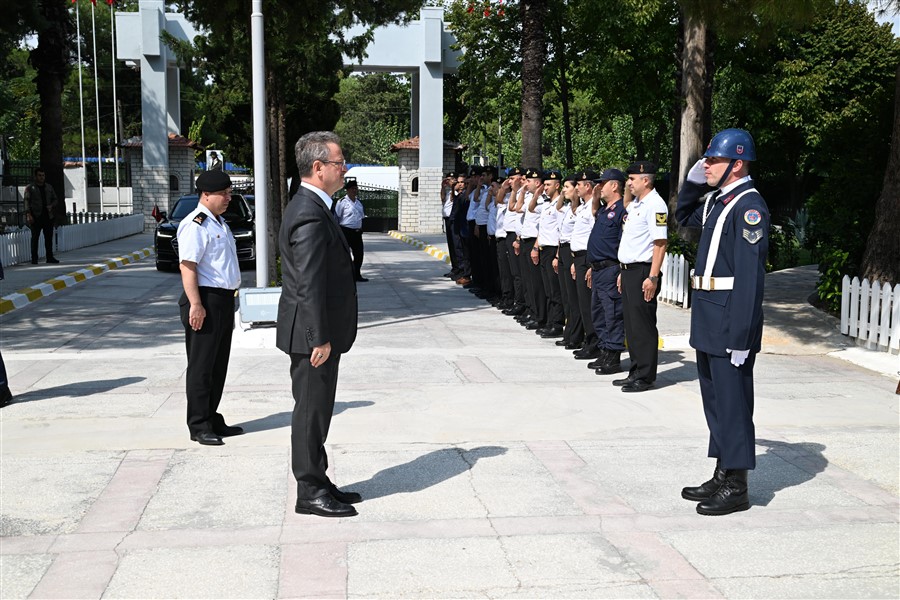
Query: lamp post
x,y
260,145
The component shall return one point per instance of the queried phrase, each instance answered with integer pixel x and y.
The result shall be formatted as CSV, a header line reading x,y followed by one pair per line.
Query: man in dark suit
x,y
317,317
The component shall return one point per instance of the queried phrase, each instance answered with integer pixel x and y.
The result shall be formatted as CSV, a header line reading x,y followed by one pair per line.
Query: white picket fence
x,y
15,245
675,280
870,313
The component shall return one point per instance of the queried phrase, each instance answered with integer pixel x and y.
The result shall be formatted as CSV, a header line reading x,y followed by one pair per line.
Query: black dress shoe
x,y
207,438
515,310
623,381
552,332
532,325
587,353
346,497
638,385
53,261
572,346
324,506
731,496
228,430
34,261
361,279
562,342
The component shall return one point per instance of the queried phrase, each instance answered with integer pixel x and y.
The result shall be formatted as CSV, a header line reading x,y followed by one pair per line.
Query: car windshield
x,y
237,208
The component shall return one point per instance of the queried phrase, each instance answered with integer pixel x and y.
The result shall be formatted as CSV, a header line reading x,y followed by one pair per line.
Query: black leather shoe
x,y
361,279
572,346
562,342
638,385
228,430
53,261
705,490
587,353
623,381
34,261
207,438
731,496
346,497
612,365
324,506
514,310
600,361
552,332
5,396
533,325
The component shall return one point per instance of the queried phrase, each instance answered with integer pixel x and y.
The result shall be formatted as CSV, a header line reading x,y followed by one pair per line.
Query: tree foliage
x,y
375,113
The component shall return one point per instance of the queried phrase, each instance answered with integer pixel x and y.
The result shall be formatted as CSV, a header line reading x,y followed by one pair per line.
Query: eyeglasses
x,y
340,163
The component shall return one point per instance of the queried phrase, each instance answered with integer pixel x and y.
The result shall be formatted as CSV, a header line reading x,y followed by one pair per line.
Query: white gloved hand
x,y
697,174
738,356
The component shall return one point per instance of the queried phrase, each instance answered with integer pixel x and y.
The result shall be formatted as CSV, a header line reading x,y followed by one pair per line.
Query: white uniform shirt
x,y
548,228
481,211
566,224
647,222
448,204
581,229
530,219
510,218
210,244
350,214
473,205
492,216
500,221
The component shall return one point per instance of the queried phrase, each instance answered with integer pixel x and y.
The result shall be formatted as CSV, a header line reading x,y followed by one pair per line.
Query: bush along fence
x,y
870,313
15,244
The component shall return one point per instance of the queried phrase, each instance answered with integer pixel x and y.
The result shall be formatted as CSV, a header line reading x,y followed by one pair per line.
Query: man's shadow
x,y
782,466
76,390
283,419
423,472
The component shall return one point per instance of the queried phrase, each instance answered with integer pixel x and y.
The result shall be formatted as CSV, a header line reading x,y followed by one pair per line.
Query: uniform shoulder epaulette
x,y
200,218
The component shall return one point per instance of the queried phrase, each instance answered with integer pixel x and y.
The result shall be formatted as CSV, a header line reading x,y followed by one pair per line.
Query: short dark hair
x,y
39,170
311,147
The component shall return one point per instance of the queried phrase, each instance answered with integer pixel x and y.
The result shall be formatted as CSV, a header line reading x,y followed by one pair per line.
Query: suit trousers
x,y
727,393
504,274
515,269
451,249
606,309
208,351
534,286
42,224
492,269
640,323
583,292
314,391
555,315
355,241
574,332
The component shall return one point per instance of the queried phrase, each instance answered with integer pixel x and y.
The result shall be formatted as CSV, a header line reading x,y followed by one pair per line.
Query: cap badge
x,y
642,168
740,149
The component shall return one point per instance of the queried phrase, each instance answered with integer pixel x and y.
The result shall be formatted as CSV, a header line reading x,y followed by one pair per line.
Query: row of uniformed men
x,y
565,257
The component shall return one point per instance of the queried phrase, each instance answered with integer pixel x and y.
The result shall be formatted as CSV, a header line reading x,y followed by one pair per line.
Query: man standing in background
x,y
350,214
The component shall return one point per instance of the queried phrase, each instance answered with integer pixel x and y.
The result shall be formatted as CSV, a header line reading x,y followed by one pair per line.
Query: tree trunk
x,y
881,259
50,61
693,89
562,65
534,54
676,115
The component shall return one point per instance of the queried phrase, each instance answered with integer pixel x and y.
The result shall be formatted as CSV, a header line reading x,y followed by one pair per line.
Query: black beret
x,y
552,176
475,170
585,175
515,171
642,167
213,181
612,175
534,174
351,183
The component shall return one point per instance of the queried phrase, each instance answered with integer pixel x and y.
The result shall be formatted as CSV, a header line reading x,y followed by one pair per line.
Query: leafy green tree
x,y
374,114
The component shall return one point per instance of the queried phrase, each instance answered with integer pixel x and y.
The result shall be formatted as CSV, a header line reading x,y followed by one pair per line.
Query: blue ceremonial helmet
x,y
736,144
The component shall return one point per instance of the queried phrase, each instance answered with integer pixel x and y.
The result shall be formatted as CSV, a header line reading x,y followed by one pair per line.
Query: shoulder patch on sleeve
x,y
753,235
752,217
662,218
200,218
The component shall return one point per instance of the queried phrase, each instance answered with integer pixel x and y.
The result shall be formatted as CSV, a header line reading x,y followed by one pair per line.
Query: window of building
x,y
173,183
414,184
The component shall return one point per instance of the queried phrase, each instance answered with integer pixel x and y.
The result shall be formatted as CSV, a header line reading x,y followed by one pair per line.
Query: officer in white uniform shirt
x,y
548,248
581,232
641,253
210,276
530,264
350,213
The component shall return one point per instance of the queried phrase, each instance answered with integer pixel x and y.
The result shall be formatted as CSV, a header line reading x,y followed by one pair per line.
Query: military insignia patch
x,y
661,219
610,215
200,218
753,235
752,217
727,199
624,217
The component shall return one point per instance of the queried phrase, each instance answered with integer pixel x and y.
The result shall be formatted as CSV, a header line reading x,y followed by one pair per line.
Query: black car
x,y
238,217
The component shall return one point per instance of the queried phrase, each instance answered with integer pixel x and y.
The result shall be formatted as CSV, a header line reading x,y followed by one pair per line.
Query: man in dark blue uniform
x,y
602,254
726,316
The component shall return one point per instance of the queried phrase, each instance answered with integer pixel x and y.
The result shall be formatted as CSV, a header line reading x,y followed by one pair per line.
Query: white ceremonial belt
x,y
712,283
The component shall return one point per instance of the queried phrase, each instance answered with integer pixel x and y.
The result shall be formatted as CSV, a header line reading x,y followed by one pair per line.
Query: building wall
x,y
151,187
421,212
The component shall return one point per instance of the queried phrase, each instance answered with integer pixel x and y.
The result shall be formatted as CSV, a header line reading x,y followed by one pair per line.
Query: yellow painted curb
x,y
429,249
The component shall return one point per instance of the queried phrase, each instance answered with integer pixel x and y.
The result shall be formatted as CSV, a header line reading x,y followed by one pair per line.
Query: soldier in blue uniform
x,y
726,319
602,254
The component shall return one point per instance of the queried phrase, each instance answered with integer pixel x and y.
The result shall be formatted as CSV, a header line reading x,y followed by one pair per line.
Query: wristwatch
x,y
653,278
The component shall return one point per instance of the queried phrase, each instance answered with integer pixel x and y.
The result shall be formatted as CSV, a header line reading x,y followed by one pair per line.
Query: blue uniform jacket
x,y
603,243
733,318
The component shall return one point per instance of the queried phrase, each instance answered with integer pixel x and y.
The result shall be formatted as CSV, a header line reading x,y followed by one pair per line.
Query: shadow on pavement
x,y
784,465
283,419
77,390
423,472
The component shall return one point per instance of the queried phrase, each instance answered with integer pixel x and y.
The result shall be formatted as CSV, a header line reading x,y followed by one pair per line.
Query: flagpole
x,y
97,102
112,28
81,102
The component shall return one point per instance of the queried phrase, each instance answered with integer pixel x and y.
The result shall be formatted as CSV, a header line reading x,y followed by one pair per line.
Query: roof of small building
x,y
177,141
413,144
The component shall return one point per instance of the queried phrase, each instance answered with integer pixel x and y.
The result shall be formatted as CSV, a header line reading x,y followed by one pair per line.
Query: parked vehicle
x,y
239,219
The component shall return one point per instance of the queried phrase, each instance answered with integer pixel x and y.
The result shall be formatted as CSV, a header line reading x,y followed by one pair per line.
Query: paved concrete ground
x,y
492,463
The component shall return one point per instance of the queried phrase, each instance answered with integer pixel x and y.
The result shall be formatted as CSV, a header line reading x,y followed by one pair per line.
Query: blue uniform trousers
x,y
606,309
728,404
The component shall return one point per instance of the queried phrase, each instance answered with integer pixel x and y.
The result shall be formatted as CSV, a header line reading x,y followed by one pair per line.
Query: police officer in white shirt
x,y
210,275
447,195
350,214
641,253
530,264
581,232
573,335
548,248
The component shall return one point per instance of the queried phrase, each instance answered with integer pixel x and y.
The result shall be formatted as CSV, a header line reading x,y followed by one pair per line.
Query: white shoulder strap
x,y
717,235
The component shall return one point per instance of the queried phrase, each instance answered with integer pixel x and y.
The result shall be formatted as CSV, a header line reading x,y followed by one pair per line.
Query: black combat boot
x,y
731,497
601,360
612,365
705,490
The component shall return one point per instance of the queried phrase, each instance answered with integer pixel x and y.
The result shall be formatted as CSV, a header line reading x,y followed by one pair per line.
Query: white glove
x,y
697,174
738,356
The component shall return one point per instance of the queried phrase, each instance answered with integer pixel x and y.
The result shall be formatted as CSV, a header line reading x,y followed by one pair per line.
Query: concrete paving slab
x,y
20,573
